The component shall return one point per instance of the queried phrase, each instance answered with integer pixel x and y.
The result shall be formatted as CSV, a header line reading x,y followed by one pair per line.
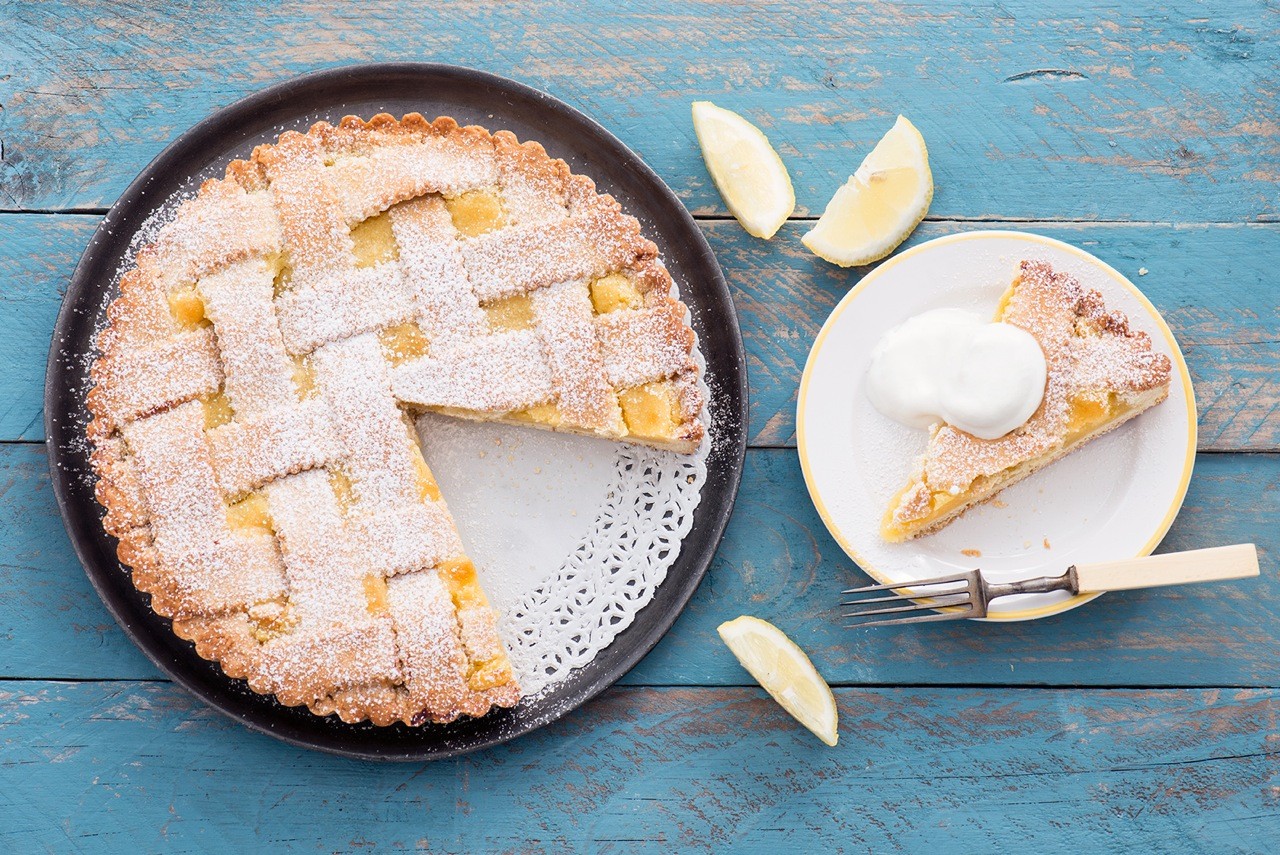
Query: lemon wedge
x,y
785,673
745,168
881,204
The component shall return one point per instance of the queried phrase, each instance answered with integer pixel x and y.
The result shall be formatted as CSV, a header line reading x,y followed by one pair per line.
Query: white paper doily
x,y
571,536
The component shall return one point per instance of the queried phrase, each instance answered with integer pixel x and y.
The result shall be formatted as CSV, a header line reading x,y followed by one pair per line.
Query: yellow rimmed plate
x,y
1114,498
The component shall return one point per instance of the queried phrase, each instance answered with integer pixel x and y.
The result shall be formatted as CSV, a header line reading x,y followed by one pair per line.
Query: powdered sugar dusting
x,y
1106,501
1107,358
497,373
330,603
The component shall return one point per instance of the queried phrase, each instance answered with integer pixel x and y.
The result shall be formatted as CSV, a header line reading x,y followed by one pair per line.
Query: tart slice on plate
x,y
1101,374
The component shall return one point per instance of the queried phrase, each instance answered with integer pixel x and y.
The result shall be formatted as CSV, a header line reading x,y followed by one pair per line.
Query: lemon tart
x,y
1101,374
253,398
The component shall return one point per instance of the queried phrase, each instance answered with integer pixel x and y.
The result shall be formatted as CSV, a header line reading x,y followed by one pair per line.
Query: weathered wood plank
x,y
1214,284
37,257
777,562
1104,110
142,767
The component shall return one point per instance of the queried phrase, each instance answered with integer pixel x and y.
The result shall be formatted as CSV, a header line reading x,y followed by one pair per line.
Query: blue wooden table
x,y
1147,132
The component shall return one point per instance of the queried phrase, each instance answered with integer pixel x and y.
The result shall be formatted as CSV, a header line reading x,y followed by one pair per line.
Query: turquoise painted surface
x,y
1145,132
777,561
1213,283
142,767
1096,110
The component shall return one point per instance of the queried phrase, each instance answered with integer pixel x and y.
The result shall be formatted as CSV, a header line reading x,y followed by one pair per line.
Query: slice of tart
x,y
1101,374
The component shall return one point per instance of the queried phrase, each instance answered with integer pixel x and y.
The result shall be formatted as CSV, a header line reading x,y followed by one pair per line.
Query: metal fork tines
x,y
961,595
966,594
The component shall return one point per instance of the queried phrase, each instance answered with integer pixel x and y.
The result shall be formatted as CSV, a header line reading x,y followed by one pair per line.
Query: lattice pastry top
x,y
252,402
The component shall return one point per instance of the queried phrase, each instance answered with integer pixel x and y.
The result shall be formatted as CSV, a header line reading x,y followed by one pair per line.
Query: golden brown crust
x,y
993,489
138,319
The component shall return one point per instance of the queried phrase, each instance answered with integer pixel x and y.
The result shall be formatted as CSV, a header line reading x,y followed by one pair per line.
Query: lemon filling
x,y
542,414
613,293
373,241
375,594
250,513
1086,413
651,410
271,619
217,410
187,308
476,212
403,342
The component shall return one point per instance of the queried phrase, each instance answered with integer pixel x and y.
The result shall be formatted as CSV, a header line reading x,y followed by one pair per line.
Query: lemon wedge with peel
x,y
881,204
785,673
747,171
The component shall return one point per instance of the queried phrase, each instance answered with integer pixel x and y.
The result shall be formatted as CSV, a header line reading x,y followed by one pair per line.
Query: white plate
x,y
1114,498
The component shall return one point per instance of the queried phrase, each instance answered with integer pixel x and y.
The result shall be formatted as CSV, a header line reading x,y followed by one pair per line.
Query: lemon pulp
x,y
785,672
745,168
880,205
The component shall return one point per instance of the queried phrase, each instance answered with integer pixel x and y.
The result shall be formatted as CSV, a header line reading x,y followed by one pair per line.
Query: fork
x,y
967,594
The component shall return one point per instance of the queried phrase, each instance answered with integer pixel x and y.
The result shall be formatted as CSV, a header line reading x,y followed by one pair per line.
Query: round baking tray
x,y
472,97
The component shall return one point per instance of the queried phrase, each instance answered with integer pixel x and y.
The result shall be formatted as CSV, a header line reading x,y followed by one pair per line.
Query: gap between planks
x,y
728,218
789,445
1026,687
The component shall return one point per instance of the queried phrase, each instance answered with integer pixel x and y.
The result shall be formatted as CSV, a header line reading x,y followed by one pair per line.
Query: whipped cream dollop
x,y
951,365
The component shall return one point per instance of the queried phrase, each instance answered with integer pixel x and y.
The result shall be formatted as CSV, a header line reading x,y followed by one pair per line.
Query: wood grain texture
x,y
777,562
141,767
1097,110
1214,284
1154,123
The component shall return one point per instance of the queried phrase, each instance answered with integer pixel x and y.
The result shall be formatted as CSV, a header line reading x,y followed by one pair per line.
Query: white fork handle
x,y
1171,568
